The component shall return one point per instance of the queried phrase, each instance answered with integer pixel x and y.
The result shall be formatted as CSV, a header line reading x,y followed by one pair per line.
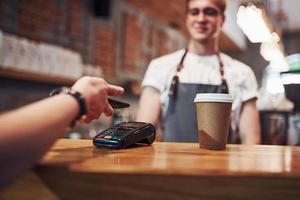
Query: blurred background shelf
x,y
37,77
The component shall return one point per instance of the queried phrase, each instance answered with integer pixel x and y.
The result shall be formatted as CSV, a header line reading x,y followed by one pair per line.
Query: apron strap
x,y
224,85
175,79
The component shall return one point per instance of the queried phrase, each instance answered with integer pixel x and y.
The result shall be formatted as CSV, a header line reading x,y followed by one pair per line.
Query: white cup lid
x,y
213,97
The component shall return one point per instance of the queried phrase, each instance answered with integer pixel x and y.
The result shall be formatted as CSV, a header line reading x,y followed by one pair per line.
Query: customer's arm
x,y
249,123
149,106
28,132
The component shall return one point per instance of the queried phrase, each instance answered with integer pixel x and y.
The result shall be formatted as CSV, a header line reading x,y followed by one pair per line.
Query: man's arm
x,y
149,106
249,124
28,132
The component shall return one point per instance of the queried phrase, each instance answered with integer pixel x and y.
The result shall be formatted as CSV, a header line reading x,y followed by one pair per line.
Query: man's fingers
x,y
114,90
108,110
86,119
95,90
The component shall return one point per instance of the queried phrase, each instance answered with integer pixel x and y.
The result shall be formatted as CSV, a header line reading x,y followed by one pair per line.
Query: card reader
x,y
125,134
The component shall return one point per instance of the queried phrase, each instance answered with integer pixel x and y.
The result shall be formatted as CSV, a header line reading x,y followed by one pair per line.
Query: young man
x,y
172,81
28,132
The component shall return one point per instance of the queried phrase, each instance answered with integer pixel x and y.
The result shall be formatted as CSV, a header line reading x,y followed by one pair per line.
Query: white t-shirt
x,y
205,70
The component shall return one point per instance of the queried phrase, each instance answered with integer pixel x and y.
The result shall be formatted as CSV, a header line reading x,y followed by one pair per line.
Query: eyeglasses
x,y
208,11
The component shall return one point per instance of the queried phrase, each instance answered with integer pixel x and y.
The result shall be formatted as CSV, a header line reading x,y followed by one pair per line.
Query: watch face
x,y
65,90
56,91
77,95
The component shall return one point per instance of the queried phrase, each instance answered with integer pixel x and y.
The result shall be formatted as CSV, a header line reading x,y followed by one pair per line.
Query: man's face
x,y
204,20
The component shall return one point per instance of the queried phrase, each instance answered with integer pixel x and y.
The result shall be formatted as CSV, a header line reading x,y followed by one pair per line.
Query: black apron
x,y
180,121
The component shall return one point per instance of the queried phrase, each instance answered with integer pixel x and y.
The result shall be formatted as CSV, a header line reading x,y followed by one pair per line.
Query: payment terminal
x,y
125,134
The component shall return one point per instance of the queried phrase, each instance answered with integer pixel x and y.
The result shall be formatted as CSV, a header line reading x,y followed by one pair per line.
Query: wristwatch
x,y
77,96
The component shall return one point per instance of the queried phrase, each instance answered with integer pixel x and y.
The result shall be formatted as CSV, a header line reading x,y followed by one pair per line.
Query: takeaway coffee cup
x,y
213,119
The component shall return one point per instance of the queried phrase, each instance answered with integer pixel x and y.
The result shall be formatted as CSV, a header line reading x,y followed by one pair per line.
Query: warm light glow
x,y
251,21
279,64
275,37
253,24
274,84
271,52
290,79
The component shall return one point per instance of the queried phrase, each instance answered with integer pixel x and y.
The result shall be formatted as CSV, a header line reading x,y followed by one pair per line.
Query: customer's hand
x,y
95,91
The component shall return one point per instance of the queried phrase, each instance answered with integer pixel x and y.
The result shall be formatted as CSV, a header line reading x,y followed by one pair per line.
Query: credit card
x,y
116,104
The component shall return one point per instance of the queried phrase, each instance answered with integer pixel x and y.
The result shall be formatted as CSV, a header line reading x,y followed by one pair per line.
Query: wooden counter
x,y
74,169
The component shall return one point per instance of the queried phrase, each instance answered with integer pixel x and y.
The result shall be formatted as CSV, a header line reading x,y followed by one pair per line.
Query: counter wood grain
x,y
74,169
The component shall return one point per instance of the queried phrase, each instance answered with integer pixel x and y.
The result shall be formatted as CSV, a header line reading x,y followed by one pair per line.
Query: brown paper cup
x,y
213,119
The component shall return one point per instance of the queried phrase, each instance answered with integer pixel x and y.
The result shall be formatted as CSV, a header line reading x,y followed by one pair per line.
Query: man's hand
x,y
95,91
249,123
149,106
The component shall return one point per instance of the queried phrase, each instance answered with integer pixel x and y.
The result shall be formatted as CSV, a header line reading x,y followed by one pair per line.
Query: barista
x,y
172,81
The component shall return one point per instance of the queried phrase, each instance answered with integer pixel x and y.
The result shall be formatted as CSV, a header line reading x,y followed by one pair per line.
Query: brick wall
x,y
37,25
63,23
167,13
133,37
122,45
105,49
136,31
148,32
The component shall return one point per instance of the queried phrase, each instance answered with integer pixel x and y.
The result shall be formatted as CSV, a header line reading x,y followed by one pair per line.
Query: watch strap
x,y
77,96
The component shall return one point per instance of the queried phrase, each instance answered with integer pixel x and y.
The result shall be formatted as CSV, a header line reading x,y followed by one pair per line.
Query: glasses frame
x,y
205,11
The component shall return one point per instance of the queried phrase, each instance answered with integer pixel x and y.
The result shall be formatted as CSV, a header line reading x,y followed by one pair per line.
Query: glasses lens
x,y
206,11
210,11
194,12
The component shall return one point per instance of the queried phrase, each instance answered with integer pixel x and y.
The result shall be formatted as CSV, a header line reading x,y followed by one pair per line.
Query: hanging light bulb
x,y
250,19
271,52
255,25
